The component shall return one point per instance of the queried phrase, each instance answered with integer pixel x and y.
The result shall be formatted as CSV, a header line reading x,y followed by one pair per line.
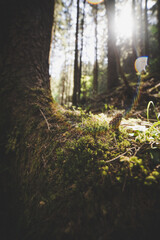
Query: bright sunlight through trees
x,y
124,21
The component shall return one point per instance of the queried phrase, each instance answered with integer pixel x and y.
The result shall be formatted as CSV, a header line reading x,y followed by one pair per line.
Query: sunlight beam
x,y
124,21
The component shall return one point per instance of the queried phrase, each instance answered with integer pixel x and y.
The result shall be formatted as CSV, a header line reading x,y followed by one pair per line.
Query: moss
x,y
74,177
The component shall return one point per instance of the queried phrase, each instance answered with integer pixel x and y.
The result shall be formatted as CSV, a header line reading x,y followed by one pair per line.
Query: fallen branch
x,y
153,88
45,119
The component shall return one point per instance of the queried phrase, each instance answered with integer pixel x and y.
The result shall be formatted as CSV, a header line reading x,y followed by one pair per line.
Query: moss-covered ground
x,y
79,179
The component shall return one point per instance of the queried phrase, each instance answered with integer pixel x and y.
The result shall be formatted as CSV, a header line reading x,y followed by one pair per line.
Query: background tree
x,y
134,32
146,38
81,50
140,28
62,45
127,48
158,17
112,65
76,63
95,67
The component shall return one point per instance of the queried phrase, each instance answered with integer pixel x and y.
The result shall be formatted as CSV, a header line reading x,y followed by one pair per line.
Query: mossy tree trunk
x,y
24,63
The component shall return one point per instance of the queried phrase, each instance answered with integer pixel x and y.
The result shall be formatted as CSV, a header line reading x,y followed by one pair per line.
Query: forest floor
x,y
135,99
89,181
111,177
140,107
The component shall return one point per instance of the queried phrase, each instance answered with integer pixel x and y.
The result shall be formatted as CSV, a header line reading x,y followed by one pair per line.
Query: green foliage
x,y
153,177
108,107
86,85
152,133
102,82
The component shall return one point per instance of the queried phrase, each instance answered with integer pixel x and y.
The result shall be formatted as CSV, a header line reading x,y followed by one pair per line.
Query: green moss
x,y
76,172
155,173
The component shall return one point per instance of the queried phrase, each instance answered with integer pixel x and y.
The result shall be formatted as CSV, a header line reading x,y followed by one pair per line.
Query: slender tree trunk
x,y
158,26
113,79
95,69
146,39
63,80
76,69
141,30
24,69
134,31
81,52
121,72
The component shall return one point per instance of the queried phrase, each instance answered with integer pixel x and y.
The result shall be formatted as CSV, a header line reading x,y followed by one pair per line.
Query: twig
x,y
113,159
137,150
45,119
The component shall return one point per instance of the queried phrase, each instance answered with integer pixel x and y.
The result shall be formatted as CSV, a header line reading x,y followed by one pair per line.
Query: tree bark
x,y
24,67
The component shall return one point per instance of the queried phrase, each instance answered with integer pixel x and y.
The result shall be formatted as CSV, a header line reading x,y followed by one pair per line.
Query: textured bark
x,y
24,45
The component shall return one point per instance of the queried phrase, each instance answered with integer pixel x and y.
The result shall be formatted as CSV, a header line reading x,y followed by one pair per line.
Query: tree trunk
x,y
121,72
146,39
112,66
134,32
158,17
81,52
24,73
141,32
76,69
95,69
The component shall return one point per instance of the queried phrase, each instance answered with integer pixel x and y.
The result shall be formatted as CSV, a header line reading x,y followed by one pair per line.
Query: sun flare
x,y
95,1
124,22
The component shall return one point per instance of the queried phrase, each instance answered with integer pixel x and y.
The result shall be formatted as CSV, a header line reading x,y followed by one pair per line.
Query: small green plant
x,y
153,133
148,107
108,107
152,178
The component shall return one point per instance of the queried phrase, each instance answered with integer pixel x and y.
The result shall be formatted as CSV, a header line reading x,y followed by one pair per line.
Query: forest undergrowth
x,y
80,179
